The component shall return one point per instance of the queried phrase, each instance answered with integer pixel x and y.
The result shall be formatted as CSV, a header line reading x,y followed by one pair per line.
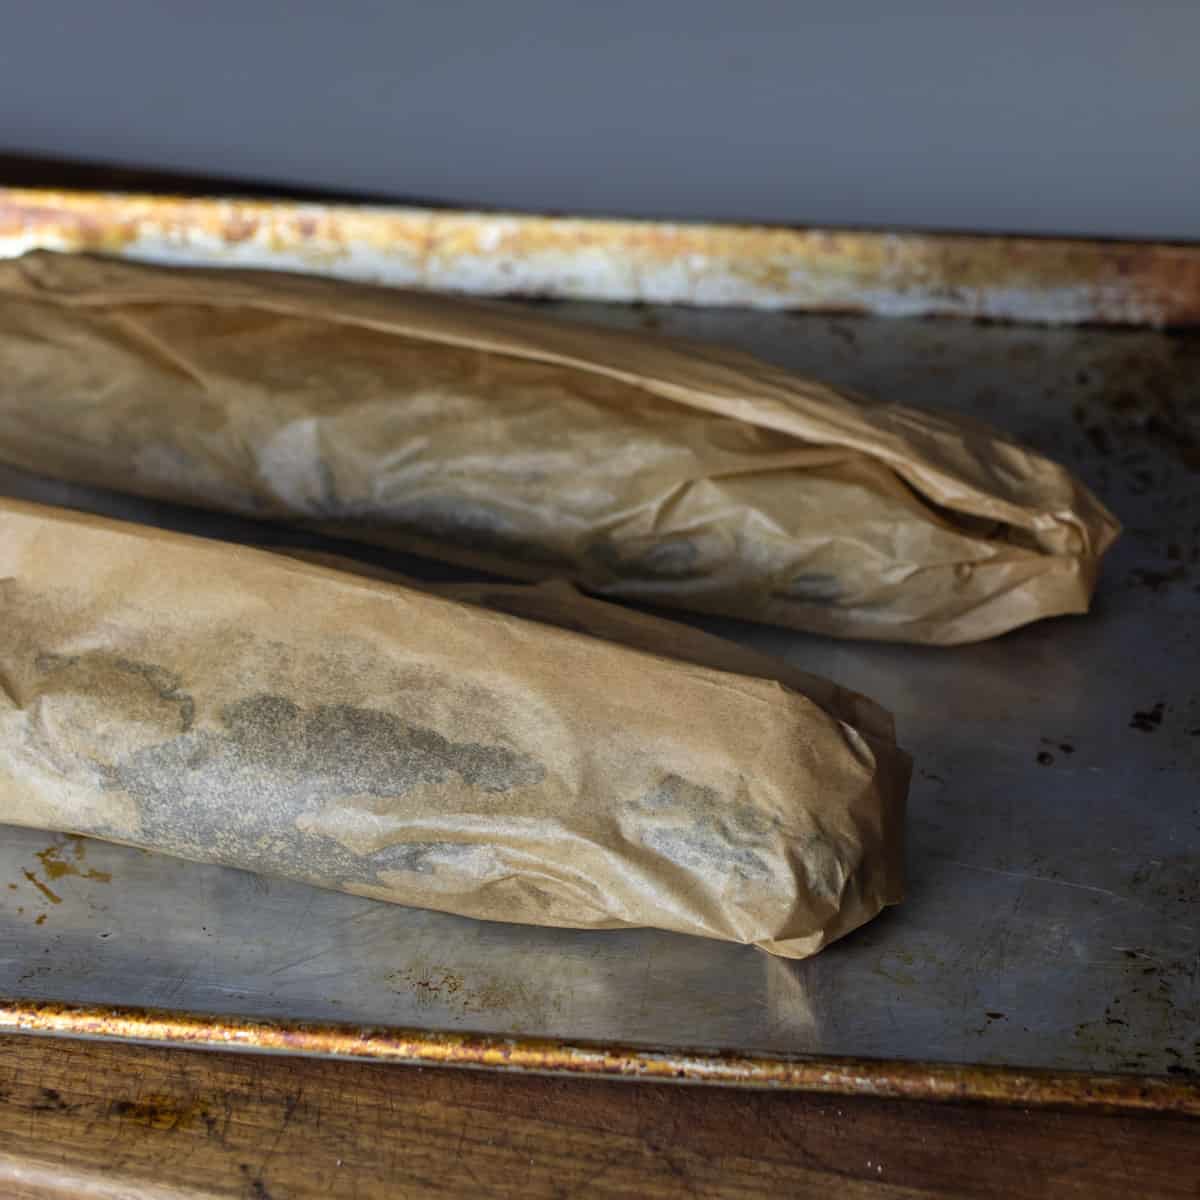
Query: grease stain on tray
x,y
55,866
435,986
63,858
50,895
1148,720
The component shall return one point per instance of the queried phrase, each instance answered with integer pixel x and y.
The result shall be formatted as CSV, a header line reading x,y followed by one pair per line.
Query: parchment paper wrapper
x,y
557,602
673,473
236,706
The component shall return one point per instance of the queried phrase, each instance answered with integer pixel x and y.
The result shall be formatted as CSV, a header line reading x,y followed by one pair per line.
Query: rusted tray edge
x,y
838,1076
1044,280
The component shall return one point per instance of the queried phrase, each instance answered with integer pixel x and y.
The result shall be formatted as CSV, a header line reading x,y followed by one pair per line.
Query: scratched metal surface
x,y
1054,910
887,273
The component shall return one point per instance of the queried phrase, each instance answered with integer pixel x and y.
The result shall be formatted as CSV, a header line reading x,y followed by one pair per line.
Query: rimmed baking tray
x,y
1049,950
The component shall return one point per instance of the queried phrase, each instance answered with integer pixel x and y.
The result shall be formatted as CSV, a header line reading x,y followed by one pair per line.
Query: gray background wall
x,y
1063,116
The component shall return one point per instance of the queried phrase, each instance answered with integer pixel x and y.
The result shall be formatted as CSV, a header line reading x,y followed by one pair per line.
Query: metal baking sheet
x,y
1053,916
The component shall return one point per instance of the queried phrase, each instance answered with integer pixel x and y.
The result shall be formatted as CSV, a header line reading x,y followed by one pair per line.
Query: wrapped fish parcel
x,y
231,705
670,472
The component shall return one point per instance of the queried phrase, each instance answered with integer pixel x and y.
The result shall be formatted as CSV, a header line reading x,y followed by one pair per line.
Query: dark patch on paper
x,y
665,559
465,523
235,794
691,825
811,588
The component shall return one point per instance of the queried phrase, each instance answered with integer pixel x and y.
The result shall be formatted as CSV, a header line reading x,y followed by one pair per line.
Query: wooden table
x,y
106,1122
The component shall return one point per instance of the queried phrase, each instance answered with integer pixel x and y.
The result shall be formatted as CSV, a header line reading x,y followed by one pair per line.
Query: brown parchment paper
x,y
232,705
680,474
558,602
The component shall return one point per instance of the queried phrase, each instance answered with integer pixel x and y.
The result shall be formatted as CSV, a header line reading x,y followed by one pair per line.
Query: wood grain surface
x,y
110,1122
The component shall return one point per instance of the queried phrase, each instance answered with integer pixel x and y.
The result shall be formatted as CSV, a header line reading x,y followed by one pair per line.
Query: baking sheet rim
x,y
1041,280
882,1079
